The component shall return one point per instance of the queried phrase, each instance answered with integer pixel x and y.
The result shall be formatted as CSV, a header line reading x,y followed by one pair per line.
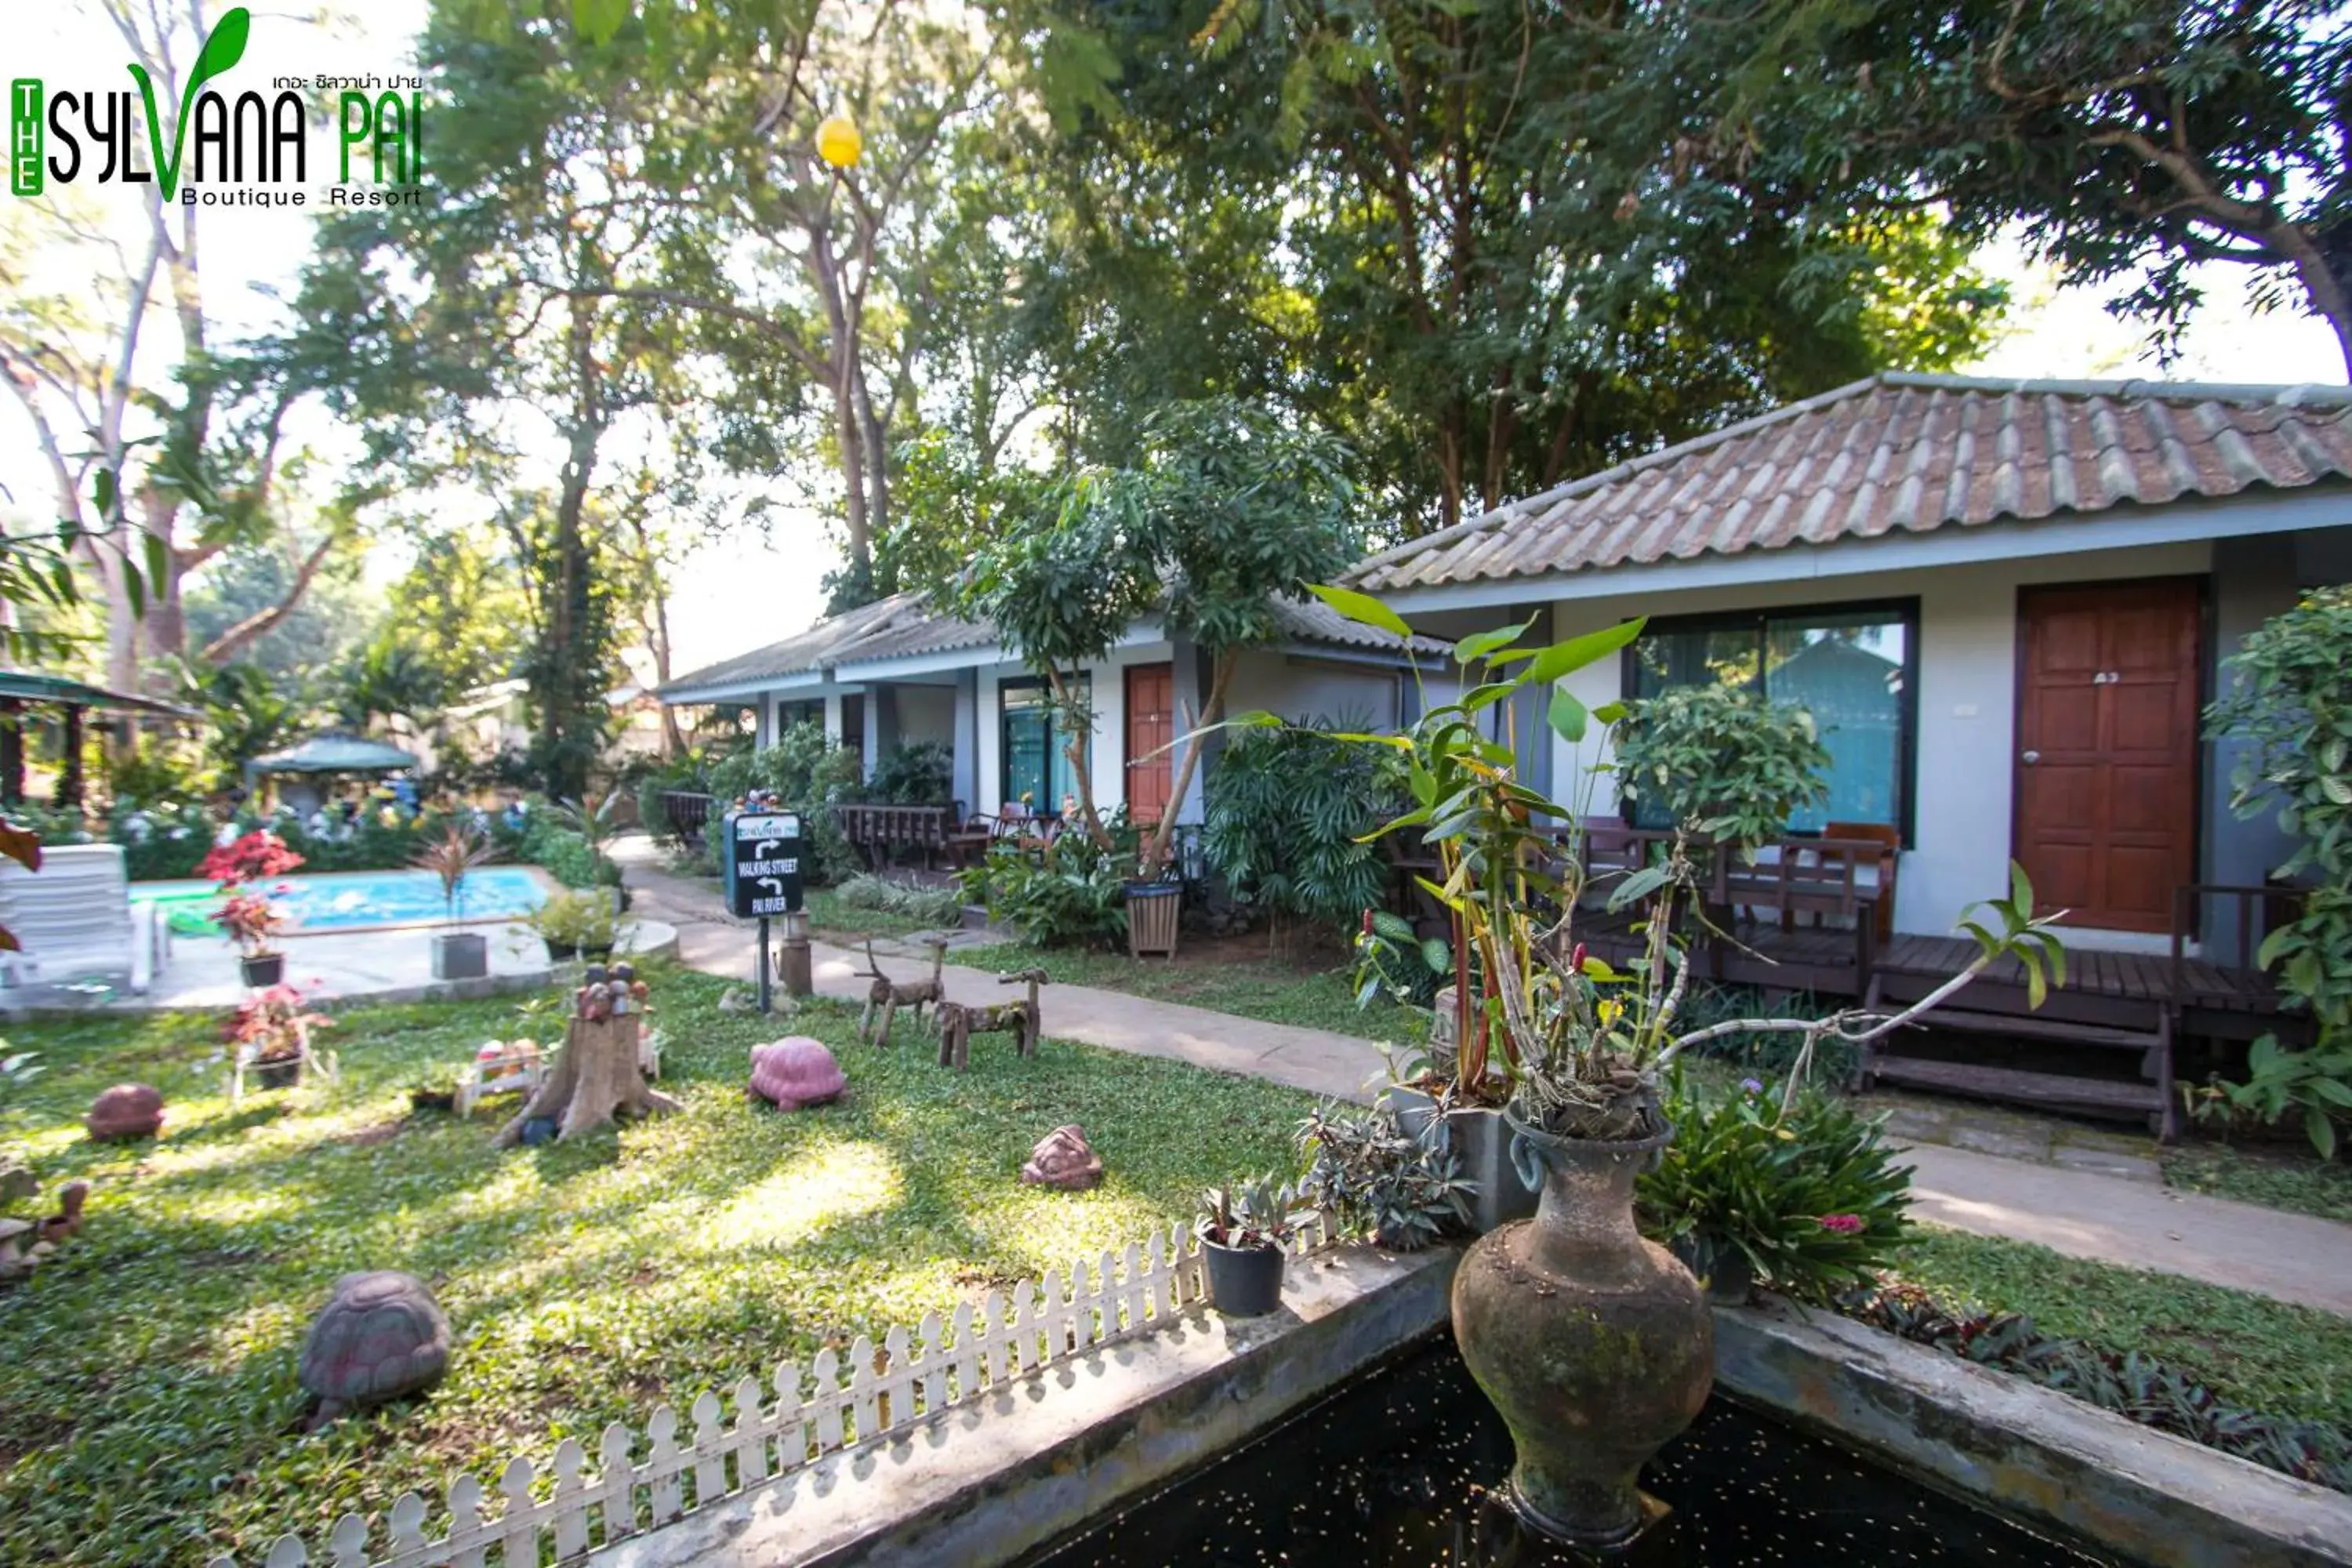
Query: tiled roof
x,y
900,628
1899,453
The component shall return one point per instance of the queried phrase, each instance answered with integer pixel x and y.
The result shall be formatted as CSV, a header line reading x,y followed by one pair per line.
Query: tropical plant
x,y
1721,760
1573,1045
2291,703
1289,808
1803,1188
451,859
917,772
1404,1189
1392,959
932,906
1262,1213
247,917
589,817
1067,892
582,919
272,1026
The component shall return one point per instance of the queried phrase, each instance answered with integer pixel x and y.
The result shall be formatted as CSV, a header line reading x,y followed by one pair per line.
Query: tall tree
x,y
2132,139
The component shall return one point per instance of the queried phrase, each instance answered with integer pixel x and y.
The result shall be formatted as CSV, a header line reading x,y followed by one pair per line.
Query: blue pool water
x,y
347,900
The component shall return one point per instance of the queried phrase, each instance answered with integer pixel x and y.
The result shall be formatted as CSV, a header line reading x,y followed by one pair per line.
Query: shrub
x,y
932,906
1803,1188
2291,702
1378,1180
1738,766
1773,1053
1390,958
1287,808
1068,893
919,772
807,773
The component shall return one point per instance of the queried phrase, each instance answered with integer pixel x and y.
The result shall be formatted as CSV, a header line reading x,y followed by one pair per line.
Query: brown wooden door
x,y
1151,725
2106,749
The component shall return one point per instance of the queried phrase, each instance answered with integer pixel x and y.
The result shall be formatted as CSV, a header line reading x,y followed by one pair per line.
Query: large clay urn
x,y
1596,1347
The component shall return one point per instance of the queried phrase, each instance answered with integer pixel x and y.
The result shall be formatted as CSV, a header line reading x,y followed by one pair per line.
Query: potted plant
x,y
457,954
247,917
270,1033
1801,1192
1594,1345
1244,1232
1404,1190
577,923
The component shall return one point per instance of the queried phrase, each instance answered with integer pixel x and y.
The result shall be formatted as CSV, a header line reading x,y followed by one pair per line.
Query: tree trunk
x,y
70,780
595,1080
1075,748
1213,710
12,751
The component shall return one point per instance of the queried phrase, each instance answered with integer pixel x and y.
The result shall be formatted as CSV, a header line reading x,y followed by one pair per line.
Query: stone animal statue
x,y
959,1022
381,1336
885,995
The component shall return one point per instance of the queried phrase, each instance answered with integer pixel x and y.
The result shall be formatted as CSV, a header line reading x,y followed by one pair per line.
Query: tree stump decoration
x,y
595,1078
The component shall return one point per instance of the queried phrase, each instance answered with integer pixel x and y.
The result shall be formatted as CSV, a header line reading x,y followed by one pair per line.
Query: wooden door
x,y
2106,749
1150,726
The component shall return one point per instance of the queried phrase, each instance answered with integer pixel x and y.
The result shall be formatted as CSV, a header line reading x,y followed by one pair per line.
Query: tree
x,y
177,439
2133,139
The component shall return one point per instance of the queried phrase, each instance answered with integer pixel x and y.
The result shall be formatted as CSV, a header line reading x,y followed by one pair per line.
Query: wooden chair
x,y
1873,844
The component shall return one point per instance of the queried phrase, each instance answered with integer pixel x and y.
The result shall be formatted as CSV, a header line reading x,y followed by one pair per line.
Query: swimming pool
x,y
348,901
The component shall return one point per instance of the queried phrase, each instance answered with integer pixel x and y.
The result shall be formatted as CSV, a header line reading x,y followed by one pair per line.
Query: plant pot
x,y
1595,1346
1152,908
1244,1281
1721,1269
433,1100
561,952
277,1075
263,970
603,954
460,955
1481,1139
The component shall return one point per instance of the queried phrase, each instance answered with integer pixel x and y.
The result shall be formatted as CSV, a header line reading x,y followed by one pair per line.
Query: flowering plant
x,y
249,919
272,1026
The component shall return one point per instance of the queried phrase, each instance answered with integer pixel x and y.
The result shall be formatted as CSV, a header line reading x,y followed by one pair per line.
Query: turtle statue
x,y
125,1113
380,1336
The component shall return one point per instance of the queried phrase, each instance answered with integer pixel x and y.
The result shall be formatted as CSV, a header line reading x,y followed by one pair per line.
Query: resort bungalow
x,y
897,672
2006,603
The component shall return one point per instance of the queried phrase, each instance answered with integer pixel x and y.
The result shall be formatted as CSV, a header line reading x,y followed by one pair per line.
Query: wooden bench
x,y
878,832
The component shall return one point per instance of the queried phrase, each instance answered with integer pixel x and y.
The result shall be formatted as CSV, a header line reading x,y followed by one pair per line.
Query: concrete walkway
x,y
2084,1214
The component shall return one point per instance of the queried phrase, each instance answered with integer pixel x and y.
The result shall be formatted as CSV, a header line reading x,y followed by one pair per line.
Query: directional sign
x,y
765,850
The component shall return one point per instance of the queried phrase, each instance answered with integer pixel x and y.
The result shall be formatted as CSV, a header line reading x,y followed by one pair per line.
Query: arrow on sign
x,y
775,888
760,851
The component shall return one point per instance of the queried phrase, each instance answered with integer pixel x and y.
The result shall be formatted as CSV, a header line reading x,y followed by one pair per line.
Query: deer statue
x,y
959,1022
887,995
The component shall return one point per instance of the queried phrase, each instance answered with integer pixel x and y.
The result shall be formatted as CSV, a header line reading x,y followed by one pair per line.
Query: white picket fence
x,y
773,1431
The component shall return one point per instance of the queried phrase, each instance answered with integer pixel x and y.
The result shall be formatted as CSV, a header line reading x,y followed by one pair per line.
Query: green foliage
x,y
807,772
1805,1189
1262,1211
582,919
147,1376
925,906
1768,1053
1288,809
1722,760
1404,1189
916,772
1392,961
1071,892
2134,1384
2290,701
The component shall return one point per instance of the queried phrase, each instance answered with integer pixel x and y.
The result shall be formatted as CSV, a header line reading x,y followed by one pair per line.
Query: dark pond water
x,y
1395,1472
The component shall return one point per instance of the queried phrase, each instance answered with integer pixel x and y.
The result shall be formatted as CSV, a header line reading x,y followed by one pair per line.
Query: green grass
x,y
2251,1351
2276,1179
827,913
147,1390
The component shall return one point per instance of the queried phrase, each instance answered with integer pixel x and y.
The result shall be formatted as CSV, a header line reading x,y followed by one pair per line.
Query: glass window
x,y
1035,748
1851,669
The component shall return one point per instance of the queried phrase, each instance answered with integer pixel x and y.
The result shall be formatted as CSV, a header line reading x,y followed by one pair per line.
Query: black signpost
x,y
764,853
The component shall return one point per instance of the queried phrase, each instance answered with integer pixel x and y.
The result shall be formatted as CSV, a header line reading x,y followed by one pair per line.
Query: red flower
x,y
1843,1223
1368,919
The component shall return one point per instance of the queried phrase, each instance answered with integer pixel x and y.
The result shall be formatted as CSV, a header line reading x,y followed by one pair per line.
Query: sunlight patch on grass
x,y
822,1186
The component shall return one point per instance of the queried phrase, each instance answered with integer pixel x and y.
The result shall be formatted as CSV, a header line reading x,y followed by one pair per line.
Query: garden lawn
x,y
2251,1351
147,1374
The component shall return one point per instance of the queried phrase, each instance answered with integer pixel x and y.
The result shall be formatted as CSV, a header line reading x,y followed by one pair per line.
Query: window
x,y
1854,668
1035,759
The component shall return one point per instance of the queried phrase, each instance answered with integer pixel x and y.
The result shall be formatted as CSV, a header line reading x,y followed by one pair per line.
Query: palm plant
x,y
451,857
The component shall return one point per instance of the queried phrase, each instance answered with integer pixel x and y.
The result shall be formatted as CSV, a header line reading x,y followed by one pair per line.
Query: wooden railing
x,y
877,831
686,815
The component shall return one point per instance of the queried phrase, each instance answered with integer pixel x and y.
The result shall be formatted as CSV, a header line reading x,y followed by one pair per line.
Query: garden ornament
x,y
887,995
60,1226
795,1072
959,1022
380,1337
1064,1160
124,1114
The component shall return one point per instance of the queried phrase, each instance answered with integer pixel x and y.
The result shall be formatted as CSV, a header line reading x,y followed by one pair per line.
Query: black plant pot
x,y
278,1075
561,952
263,970
1722,1270
1244,1281
460,955
598,954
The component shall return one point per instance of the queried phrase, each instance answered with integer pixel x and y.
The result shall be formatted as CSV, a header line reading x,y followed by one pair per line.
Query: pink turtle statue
x,y
1064,1159
796,1072
125,1112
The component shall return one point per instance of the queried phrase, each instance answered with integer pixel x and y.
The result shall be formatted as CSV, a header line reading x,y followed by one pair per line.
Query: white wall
x,y
1299,688
925,713
1967,691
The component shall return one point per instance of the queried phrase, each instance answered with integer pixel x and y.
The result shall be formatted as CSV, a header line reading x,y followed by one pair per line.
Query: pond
x,y
1401,1471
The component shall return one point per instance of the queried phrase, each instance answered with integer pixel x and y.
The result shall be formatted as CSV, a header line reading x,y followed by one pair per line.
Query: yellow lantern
x,y
837,141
